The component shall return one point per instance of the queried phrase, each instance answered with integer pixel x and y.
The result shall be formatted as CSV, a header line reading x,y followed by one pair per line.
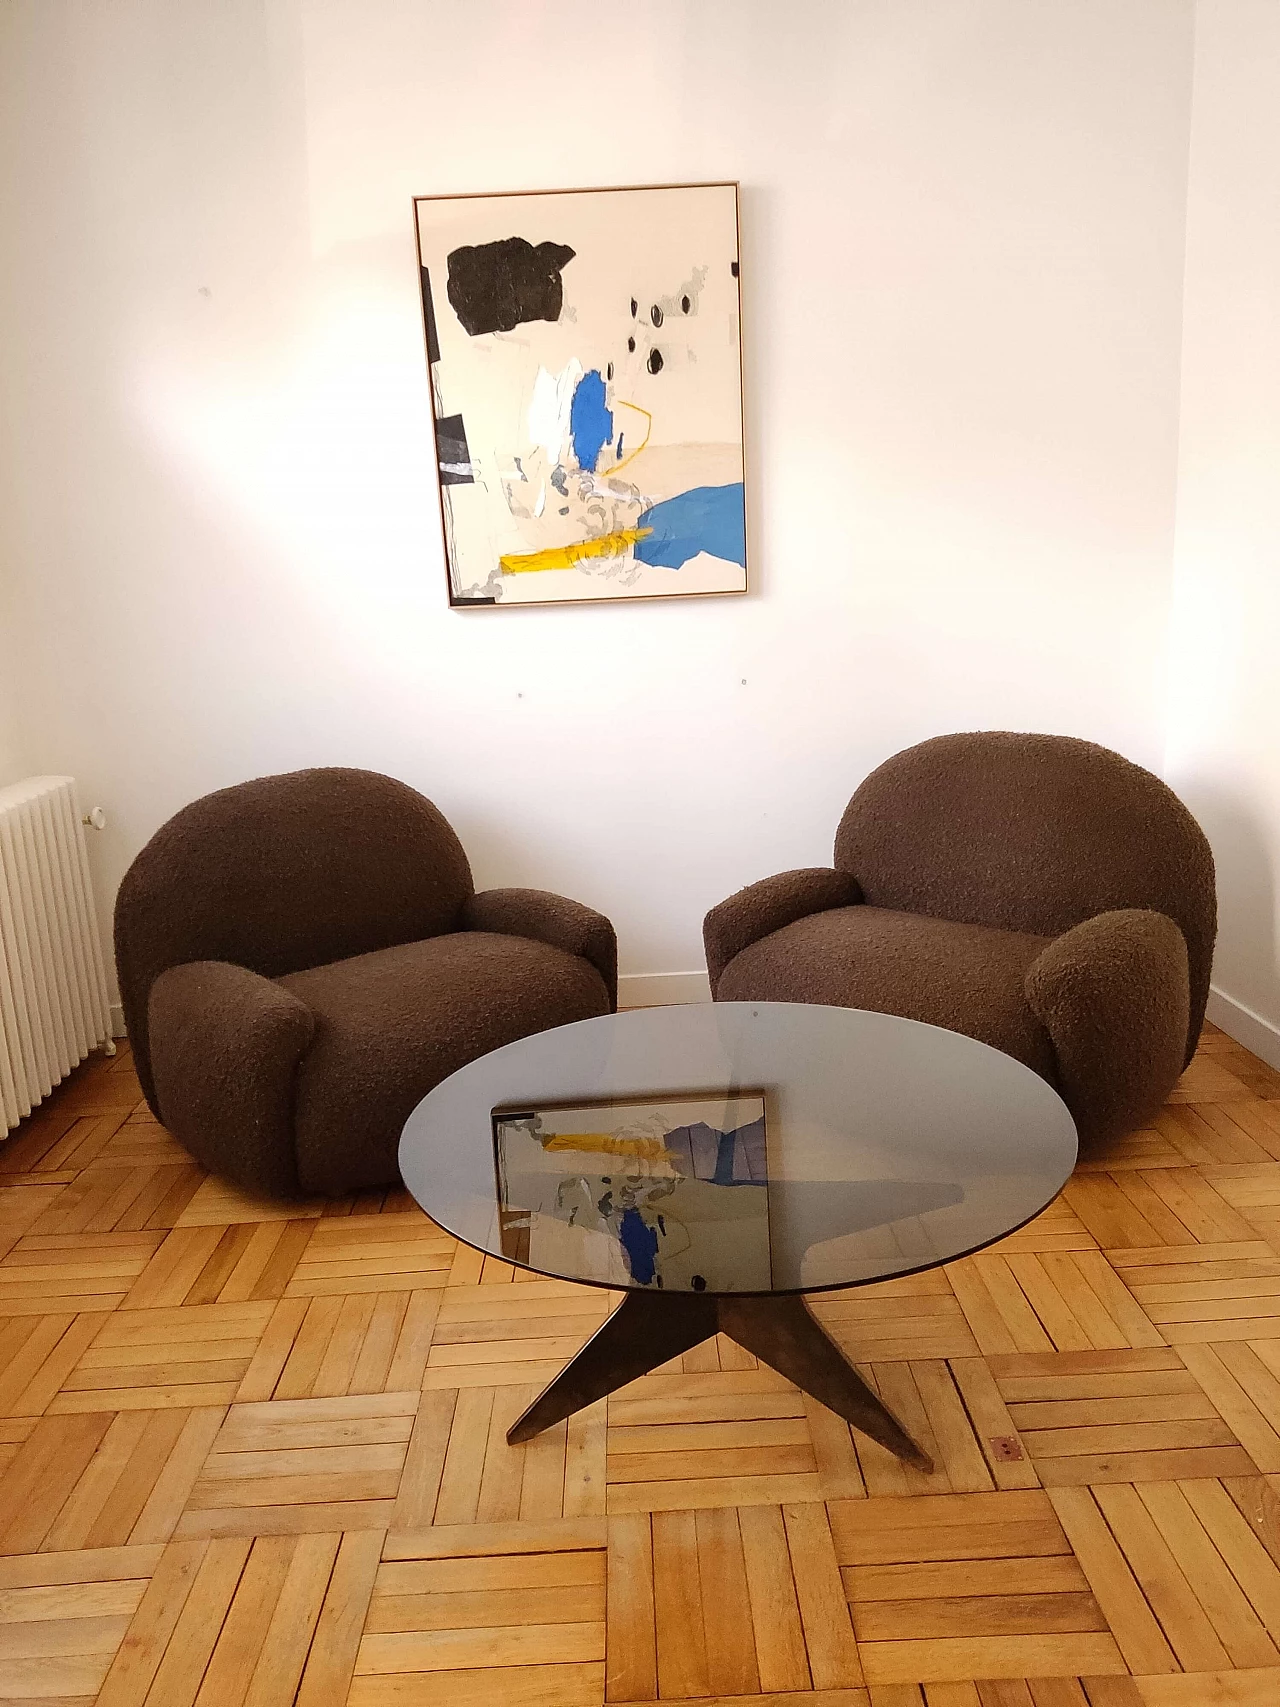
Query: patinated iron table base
x,y
649,1328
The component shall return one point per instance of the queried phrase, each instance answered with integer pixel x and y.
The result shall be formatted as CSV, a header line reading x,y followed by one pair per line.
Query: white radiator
x,y
53,986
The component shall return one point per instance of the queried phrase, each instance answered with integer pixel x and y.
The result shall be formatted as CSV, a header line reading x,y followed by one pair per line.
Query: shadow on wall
x,y
1245,961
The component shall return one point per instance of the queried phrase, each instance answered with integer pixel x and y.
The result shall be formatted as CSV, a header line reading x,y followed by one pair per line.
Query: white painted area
x,y
550,407
962,274
1224,719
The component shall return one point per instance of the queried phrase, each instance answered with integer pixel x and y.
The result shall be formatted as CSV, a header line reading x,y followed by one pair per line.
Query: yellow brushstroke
x,y
568,556
610,1144
633,454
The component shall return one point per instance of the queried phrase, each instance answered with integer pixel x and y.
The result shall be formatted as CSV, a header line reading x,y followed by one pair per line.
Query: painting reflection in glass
x,y
664,1194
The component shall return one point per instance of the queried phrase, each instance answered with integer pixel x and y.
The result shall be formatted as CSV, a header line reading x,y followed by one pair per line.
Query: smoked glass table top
x,y
737,1148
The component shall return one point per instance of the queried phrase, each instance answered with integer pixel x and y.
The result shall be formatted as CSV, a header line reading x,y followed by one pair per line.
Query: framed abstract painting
x,y
584,355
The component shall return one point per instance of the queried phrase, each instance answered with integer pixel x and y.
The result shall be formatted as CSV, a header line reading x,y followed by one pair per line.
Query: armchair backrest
x,y
284,873
1030,833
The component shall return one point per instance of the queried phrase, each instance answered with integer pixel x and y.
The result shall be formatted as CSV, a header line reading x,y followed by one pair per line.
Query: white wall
x,y
963,226
12,750
1224,726
12,746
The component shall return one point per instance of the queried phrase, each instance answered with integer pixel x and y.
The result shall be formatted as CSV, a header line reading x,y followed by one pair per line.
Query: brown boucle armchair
x,y
1041,894
302,958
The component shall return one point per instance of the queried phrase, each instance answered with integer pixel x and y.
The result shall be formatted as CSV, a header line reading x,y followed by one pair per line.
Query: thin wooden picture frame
x,y
439,417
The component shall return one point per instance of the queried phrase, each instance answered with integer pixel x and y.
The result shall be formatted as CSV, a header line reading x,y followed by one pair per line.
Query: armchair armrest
x,y
552,919
767,906
225,1045
1113,994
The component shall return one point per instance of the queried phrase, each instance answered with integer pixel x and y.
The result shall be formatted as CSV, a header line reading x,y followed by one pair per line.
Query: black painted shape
x,y
631,344
495,287
685,305
733,268
655,314
429,312
452,453
634,307
654,363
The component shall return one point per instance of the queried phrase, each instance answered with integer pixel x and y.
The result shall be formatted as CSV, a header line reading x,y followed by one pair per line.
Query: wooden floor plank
x,y
781,1658
195,1632
726,1608
1225,1604
824,1612
514,1686
1142,1641
631,1649
1160,1573
1212,1689
678,1606
43,1475
244,1631
424,1461
331,1659
287,1642
1245,1556
996,1657
1246,1394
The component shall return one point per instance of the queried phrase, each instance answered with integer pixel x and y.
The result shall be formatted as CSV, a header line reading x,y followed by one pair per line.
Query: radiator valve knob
x,y
97,819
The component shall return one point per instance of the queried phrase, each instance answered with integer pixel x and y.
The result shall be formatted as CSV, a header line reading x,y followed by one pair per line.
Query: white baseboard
x,y
662,989
1260,1035
117,1020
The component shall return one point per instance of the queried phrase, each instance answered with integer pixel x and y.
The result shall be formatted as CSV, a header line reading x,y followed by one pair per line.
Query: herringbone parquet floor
x,y
255,1453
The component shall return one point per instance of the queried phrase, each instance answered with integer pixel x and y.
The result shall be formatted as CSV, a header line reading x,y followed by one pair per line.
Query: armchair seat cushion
x,y
390,1025
967,978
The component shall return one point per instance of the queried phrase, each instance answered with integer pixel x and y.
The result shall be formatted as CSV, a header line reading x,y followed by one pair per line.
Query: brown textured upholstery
x,y
229,1042
964,977
1114,995
550,919
391,1023
1037,892
301,958
771,905
1031,833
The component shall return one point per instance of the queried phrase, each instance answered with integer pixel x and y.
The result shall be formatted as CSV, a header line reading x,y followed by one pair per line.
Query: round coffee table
x,y
715,1162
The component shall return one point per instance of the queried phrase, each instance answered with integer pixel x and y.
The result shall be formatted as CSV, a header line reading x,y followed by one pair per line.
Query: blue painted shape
x,y
707,518
590,420
641,1245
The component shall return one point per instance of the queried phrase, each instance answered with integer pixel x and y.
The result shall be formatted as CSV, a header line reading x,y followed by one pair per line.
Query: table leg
x,y
646,1329
649,1328
782,1332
